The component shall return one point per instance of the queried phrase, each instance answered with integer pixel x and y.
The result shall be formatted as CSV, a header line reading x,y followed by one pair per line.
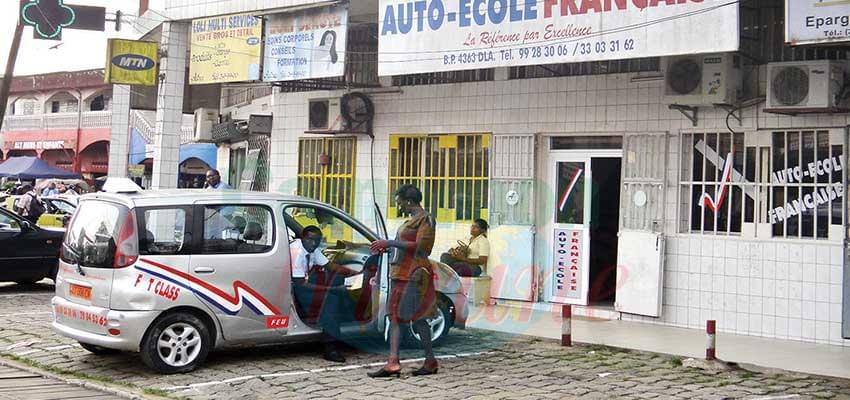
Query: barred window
x,y
451,170
326,170
783,184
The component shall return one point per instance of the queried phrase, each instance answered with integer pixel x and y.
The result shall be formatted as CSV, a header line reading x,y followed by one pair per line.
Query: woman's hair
x,y
410,193
323,42
482,224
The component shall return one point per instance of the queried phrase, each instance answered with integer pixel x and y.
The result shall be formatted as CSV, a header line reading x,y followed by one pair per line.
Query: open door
x,y
640,250
571,229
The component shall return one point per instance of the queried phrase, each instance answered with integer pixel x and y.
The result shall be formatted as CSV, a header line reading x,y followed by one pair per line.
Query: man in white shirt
x,y
307,260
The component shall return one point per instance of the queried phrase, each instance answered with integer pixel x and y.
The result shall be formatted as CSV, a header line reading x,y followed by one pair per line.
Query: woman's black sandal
x,y
382,373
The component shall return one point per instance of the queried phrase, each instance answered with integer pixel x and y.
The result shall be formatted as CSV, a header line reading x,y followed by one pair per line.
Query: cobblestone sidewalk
x,y
474,364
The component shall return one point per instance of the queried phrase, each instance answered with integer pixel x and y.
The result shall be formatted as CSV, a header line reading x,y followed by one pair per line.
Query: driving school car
x,y
175,274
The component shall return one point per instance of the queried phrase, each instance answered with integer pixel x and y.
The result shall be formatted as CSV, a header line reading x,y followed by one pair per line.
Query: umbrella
x,y
31,168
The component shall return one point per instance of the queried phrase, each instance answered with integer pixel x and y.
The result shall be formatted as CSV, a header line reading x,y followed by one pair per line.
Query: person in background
x,y
307,259
50,190
214,181
28,205
470,260
72,191
413,297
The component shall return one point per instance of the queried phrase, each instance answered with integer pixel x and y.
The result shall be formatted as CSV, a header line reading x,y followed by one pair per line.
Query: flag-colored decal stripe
x,y
707,201
231,304
569,190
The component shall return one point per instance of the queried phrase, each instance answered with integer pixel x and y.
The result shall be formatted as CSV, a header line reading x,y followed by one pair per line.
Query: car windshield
x,y
93,234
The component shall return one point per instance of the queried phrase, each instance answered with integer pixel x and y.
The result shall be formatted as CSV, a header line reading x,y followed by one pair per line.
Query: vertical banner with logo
x,y
568,263
306,45
817,21
131,62
225,49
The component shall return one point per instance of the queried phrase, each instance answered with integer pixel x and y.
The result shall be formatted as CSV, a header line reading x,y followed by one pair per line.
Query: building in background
x,y
59,116
642,176
43,120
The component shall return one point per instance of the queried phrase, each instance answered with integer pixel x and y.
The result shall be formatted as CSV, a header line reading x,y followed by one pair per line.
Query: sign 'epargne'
x,y
807,201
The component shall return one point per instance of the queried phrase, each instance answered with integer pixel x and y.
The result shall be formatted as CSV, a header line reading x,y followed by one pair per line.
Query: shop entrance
x,y
604,227
585,226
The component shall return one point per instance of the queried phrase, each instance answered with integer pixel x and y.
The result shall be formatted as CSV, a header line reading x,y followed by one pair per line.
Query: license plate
x,y
80,291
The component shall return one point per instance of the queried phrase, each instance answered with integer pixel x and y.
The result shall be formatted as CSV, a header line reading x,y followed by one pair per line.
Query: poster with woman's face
x,y
306,44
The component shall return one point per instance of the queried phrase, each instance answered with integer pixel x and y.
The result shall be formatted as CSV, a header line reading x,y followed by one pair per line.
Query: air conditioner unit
x,y
205,118
703,79
324,115
807,86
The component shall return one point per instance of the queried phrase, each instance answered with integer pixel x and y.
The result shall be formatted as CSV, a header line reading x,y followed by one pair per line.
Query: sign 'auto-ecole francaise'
x,y
441,35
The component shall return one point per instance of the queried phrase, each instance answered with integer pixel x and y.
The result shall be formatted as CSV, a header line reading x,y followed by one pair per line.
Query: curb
x,y
106,388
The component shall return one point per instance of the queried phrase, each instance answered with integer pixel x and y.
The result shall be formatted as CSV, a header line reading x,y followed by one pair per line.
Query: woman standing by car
x,y
412,294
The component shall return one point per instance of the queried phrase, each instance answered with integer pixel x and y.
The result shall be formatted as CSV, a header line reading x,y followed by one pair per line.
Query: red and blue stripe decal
x,y
243,295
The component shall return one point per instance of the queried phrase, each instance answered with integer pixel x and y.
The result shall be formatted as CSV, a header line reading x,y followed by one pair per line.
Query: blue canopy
x,y
31,168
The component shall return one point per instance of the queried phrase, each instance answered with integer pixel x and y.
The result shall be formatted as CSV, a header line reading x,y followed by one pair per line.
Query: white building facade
x,y
666,214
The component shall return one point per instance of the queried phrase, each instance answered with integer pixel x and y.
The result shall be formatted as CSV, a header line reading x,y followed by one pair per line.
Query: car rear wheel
x,y
176,343
98,350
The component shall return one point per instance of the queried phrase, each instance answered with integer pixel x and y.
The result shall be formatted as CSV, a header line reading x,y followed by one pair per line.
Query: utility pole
x,y
10,70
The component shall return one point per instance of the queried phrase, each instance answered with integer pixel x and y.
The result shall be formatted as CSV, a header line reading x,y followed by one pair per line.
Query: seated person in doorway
x,y
307,261
470,260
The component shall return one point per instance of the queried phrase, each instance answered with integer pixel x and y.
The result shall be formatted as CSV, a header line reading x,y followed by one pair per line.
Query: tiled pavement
x,y
475,364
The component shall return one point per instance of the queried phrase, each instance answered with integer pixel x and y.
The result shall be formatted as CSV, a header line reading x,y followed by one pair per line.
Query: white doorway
x,y
583,227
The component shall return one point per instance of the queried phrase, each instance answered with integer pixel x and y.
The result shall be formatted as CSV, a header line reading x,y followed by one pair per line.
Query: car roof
x,y
148,198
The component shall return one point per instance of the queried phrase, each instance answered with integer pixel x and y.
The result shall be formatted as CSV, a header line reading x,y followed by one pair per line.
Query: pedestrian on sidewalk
x,y
470,260
28,205
413,297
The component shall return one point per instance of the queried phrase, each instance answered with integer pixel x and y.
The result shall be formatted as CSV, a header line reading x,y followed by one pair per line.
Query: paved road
x,y
475,364
16,384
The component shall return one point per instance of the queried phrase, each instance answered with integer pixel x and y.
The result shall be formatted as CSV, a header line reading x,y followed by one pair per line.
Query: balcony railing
x,y
91,119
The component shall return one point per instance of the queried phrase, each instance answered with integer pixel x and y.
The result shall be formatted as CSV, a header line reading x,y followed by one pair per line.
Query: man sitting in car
x,y
311,291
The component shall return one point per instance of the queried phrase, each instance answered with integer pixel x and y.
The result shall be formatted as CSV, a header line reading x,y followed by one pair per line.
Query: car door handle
x,y
204,270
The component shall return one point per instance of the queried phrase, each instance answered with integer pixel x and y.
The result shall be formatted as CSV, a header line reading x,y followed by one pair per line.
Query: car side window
x,y
237,229
9,224
333,228
164,232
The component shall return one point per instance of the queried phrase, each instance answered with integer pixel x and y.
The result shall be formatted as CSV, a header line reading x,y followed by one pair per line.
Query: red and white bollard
x,y
710,330
566,325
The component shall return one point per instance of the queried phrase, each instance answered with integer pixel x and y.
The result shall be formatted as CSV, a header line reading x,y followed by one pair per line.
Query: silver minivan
x,y
174,274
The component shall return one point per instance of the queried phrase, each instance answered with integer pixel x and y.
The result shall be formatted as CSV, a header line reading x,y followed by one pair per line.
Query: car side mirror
x,y
26,226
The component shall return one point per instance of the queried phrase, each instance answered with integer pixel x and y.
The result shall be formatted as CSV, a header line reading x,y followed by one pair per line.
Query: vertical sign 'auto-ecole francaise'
x,y
418,36
568,264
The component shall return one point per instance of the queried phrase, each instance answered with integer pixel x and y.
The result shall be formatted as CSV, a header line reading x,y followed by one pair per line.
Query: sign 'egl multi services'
x,y
418,36
225,49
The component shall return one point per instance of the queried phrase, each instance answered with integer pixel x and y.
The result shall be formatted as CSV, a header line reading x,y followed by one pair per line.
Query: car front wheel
x,y
176,343
440,325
